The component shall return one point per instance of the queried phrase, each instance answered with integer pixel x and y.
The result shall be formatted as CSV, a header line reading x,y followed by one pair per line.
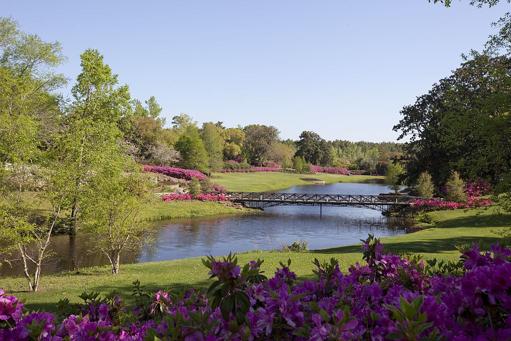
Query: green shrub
x,y
425,187
297,246
455,188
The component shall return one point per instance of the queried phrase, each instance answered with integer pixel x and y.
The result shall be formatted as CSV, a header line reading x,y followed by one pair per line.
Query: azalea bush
x,y
472,202
477,188
175,172
329,170
201,197
388,297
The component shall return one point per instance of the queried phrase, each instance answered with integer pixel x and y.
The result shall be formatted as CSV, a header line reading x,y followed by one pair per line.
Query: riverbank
x,y
448,230
275,181
244,182
161,210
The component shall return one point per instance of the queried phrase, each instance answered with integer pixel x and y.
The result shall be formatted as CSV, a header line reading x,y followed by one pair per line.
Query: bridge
x,y
383,202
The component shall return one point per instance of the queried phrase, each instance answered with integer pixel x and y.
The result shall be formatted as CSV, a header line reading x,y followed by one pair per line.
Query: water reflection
x,y
276,227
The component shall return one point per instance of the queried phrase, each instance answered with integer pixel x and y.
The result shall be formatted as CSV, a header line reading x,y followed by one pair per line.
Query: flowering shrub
x,y
201,197
175,172
477,188
330,170
472,202
388,298
252,169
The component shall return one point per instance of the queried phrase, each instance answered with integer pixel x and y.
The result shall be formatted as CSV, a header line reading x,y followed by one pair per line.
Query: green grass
x,y
273,181
452,228
160,210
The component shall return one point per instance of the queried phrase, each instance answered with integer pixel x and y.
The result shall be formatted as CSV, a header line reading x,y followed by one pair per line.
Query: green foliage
x,y
194,187
411,322
214,143
258,141
282,153
314,149
424,186
112,210
300,165
394,174
461,123
296,246
455,188
504,201
192,150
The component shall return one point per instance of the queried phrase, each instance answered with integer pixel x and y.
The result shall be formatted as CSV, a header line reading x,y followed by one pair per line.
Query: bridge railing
x,y
319,198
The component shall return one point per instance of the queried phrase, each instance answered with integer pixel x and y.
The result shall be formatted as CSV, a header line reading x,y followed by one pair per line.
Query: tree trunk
x,y
115,260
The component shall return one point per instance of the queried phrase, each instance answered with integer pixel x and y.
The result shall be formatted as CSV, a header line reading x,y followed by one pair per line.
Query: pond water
x,y
271,229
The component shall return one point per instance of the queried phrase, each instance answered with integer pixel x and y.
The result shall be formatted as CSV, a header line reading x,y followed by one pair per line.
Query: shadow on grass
x,y
124,290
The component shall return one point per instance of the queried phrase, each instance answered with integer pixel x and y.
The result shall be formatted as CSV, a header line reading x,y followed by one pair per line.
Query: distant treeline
x,y
212,146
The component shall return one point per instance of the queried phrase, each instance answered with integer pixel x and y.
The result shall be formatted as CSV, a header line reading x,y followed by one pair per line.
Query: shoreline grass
x,y
275,181
451,229
161,210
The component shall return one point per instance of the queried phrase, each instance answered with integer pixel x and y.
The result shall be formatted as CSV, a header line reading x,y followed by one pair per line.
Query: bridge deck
x,y
274,199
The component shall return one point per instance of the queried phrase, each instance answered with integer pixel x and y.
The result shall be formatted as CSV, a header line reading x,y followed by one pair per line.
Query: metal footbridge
x,y
382,202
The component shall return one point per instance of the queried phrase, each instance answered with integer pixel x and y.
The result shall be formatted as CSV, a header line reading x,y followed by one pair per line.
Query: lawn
x,y
452,229
273,181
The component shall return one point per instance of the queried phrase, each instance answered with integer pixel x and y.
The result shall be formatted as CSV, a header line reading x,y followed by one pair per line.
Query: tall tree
x,y
192,150
313,148
258,141
28,112
214,143
463,123
92,126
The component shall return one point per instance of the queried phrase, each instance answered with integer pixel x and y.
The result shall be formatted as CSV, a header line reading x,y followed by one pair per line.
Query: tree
x,y
191,148
393,177
258,141
311,147
462,123
282,153
234,139
28,111
214,143
300,165
425,187
112,211
28,107
455,188
91,128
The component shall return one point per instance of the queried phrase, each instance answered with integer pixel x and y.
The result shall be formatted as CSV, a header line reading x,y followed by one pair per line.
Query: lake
x,y
268,230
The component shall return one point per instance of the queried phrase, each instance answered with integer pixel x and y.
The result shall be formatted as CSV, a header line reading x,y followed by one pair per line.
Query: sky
x,y
342,68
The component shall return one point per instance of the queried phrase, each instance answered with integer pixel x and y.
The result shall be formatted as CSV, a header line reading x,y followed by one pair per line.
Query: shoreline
x,y
449,230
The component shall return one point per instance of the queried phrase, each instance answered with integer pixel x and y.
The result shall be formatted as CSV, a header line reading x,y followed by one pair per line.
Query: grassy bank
x,y
451,229
160,210
273,181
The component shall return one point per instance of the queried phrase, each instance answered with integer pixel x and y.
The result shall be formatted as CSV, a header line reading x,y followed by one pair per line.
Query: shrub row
x,y
175,172
330,170
201,197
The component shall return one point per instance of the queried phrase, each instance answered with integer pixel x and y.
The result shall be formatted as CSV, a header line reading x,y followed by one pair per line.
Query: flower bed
x,y
201,197
477,188
175,172
252,169
388,298
472,202
330,170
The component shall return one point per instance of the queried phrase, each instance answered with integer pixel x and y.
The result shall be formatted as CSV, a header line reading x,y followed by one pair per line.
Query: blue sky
x,y
343,68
